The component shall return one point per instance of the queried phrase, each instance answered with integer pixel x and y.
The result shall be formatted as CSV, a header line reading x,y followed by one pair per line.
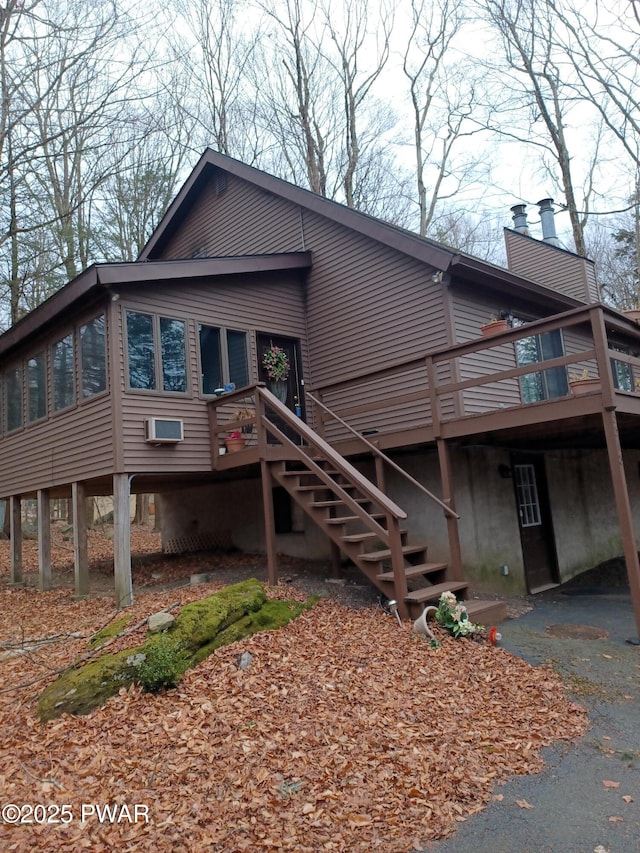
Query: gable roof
x,y
100,279
435,255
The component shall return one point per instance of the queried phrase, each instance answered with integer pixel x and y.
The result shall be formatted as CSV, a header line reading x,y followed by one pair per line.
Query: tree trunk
x,y
142,510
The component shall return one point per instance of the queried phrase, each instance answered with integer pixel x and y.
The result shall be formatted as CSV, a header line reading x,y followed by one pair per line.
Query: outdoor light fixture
x,y
393,609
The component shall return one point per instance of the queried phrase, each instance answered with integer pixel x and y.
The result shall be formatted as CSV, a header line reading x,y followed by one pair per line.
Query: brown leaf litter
x,y
346,733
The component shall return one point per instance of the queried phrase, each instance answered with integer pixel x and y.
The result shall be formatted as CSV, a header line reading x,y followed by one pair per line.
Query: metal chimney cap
x,y
520,218
547,219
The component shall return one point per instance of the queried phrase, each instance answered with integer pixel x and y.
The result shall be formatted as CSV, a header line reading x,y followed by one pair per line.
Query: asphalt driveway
x,y
588,796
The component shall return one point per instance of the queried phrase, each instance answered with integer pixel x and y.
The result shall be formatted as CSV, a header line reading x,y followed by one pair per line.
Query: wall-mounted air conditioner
x,y
164,430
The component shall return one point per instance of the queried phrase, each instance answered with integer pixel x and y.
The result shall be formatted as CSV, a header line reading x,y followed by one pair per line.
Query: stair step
x,y
344,519
486,611
378,556
433,592
359,537
337,502
413,571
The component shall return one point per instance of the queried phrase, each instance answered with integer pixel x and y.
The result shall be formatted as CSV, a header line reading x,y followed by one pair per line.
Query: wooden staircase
x,y
329,501
365,525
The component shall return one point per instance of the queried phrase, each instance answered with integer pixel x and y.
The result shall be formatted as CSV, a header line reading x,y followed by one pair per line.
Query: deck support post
x,y
44,540
455,552
336,560
122,541
269,523
80,546
15,532
623,506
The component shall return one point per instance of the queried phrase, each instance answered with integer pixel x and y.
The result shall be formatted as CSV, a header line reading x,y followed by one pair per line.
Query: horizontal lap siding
x,y
243,220
71,446
246,305
470,315
367,304
560,270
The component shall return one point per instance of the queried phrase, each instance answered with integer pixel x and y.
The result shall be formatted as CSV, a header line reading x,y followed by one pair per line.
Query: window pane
x,y
172,347
210,360
140,351
545,384
62,373
93,358
37,384
238,363
13,389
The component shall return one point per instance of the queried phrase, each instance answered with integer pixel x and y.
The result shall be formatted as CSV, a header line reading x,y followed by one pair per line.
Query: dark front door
x,y
292,392
534,519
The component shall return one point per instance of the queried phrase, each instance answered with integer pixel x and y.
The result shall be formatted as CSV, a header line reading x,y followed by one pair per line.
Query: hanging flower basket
x,y
276,362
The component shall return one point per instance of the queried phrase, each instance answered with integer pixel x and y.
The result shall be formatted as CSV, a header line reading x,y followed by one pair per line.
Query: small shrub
x,y
162,667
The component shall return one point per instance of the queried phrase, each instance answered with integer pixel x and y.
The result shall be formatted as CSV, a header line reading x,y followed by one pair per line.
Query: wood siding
x,y
556,268
472,312
367,304
251,305
73,444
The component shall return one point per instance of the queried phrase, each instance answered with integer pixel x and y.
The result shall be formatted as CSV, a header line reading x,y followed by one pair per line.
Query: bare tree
x,y
540,88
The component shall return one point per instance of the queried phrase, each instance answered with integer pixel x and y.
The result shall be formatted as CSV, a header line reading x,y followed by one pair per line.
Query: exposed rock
x,y
160,622
203,577
244,660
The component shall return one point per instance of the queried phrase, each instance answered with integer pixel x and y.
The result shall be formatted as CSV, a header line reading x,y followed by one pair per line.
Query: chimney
x,y
520,218
547,218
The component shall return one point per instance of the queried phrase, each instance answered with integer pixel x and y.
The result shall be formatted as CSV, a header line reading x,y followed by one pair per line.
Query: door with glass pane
x,y
534,519
290,392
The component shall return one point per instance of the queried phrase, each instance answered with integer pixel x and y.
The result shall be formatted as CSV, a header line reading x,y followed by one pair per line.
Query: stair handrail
x,y
377,452
345,467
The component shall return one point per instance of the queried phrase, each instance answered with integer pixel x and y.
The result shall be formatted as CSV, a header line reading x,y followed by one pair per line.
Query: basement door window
x,y
543,384
527,494
62,369
147,360
13,401
93,357
223,358
36,387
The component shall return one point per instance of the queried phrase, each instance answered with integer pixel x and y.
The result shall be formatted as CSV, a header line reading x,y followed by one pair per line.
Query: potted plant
x,y
276,363
494,326
632,314
582,383
234,441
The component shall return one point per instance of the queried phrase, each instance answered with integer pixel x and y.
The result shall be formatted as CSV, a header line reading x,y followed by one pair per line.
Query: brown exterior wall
x,y
66,446
249,305
556,268
367,304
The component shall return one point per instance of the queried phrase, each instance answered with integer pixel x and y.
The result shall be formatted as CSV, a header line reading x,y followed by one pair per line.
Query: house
x,y
401,426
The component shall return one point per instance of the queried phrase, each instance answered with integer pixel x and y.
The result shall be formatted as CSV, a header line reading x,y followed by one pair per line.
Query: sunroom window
x,y
62,372
156,347
37,387
13,402
93,357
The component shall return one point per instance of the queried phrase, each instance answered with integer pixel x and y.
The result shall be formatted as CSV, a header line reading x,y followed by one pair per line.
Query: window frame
x,y
158,366
74,379
45,387
18,369
82,398
540,377
223,344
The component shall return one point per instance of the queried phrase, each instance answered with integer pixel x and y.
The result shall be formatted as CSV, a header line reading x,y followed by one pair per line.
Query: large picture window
x,y
13,403
37,387
543,384
93,357
156,347
62,373
223,358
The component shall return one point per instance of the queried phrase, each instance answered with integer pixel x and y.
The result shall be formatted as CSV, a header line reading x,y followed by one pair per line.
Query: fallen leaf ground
x,y
347,733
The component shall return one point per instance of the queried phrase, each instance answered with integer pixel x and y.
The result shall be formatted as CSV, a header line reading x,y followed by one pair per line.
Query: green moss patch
x,y
109,631
201,627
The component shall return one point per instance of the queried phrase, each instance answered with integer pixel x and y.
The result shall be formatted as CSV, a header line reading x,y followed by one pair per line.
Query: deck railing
x,y
483,376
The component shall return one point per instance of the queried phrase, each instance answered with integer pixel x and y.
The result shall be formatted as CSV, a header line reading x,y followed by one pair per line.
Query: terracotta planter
x,y
234,444
494,328
633,314
584,386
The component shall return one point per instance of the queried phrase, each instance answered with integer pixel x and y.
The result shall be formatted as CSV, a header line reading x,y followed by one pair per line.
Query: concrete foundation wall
x,y
580,492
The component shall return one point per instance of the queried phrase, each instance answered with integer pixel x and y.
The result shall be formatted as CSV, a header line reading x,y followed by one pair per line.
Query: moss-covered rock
x,y
201,627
